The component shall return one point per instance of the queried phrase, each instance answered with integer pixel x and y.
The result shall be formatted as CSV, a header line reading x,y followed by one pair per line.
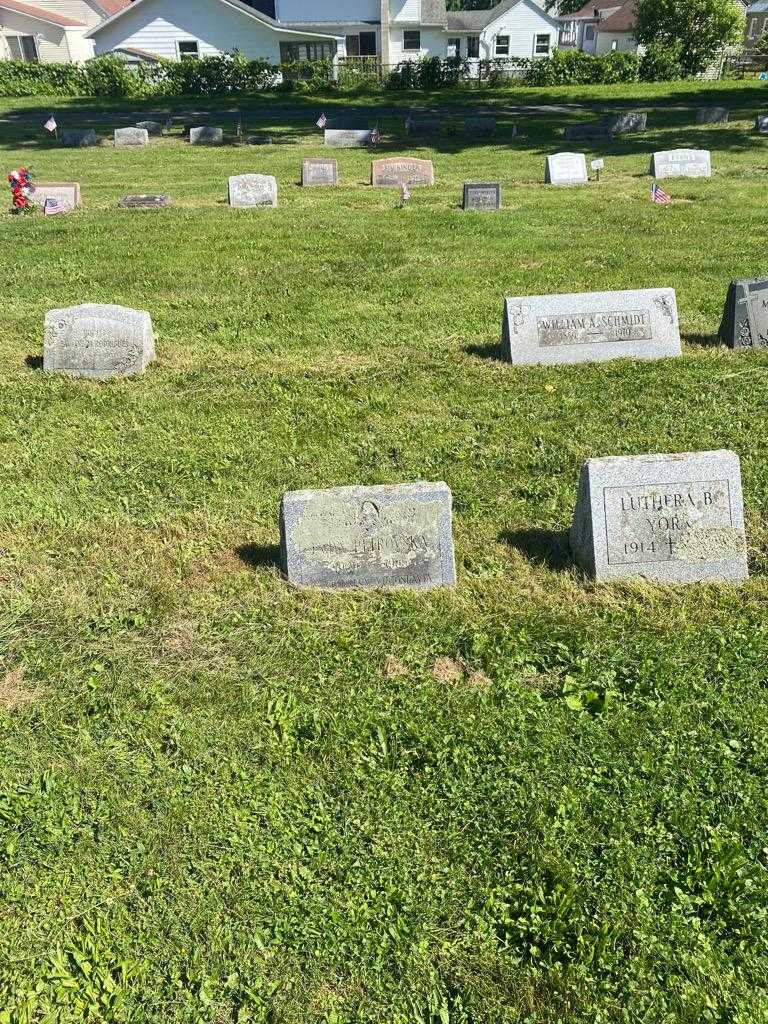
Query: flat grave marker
x,y
97,341
483,196
247,191
670,518
681,163
65,192
585,327
320,171
745,317
131,137
566,169
144,202
347,138
395,171
391,536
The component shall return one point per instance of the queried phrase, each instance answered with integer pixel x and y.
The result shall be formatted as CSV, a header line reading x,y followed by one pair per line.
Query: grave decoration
x,y
22,190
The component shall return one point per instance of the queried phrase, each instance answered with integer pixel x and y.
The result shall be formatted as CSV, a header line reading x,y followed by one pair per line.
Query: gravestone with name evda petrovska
x,y
97,341
590,327
669,518
396,535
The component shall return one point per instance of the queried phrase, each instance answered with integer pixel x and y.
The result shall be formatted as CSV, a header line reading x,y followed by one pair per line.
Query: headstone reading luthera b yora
x,y
67,193
483,196
205,135
391,536
669,518
131,137
319,172
392,172
712,115
566,169
250,190
590,327
745,317
79,138
347,138
681,163
97,341
144,202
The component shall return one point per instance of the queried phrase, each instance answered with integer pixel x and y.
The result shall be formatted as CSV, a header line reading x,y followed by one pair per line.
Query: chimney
x,y
384,19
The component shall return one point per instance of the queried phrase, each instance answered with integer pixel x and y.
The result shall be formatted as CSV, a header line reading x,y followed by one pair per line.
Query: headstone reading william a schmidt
x,y
391,536
745,317
590,327
97,341
669,518
566,169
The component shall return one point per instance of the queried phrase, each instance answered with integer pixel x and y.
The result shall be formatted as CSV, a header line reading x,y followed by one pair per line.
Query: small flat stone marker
x,y
347,138
669,518
681,163
392,172
144,202
205,135
251,190
745,317
590,327
79,138
712,115
65,192
483,196
761,124
97,341
151,127
566,169
131,137
319,172
391,536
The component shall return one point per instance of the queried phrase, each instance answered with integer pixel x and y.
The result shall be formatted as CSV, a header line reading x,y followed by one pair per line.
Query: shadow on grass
x,y
260,556
541,547
491,350
34,362
702,340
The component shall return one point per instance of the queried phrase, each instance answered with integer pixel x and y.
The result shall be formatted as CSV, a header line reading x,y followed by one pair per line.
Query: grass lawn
x,y
528,799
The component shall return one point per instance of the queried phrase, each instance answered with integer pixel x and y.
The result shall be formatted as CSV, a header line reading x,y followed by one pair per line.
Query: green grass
x,y
531,798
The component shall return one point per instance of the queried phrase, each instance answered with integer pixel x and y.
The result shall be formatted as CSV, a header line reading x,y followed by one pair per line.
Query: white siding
x,y
51,39
405,10
79,10
522,24
625,42
158,25
315,11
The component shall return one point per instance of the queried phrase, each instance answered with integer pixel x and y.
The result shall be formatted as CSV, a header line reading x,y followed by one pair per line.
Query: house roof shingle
x,y
37,12
624,20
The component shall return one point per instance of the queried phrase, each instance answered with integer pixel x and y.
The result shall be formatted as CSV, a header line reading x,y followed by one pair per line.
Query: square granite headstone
x,y
590,327
396,171
151,127
712,115
65,192
97,341
79,138
681,163
745,317
628,121
250,190
670,518
131,137
319,172
205,135
761,124
347,138
482,195
392,536
566,169
144,202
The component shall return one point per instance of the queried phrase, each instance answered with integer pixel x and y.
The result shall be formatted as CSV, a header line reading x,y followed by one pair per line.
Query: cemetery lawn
x,y
528,799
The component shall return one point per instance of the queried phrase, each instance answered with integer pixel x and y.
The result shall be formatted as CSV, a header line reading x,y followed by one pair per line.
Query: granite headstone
x,y
97,341
712,115
319,172
391,536
745,317
347,138
79,138
761,124
395,171
423,125
681,163
250,190
483,196
590,327
566,169
65,192
627,121
131,137
669,518
206,135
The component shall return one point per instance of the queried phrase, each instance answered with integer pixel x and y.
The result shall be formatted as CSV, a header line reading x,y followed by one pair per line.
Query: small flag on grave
x,y
658,195
322,121
375,136
53,206
50,125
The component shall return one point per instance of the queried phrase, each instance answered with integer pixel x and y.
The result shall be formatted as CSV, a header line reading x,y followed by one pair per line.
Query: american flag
x,y
658,195
375,136
53,206
50,125
322,121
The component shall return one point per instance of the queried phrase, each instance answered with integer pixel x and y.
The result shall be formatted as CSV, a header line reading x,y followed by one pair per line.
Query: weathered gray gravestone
x,y
423,125
250,190
131,137
151,127
319,172
97,341
745,317
628,121
590,327
681,163
482,195
670,518
390,536
79,138
347,138
480,125
205,135
144,202
712,115
761,124
566,169
65,192
393,172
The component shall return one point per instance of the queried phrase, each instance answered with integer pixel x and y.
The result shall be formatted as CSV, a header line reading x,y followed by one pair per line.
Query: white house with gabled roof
x,y
51,31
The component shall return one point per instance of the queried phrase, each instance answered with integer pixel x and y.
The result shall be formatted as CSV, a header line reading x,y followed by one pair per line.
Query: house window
x,y
411,39
453,49
23,48
589,33
473,46
362,45
502,46
189,49
290,53
615,44
541,46
752,27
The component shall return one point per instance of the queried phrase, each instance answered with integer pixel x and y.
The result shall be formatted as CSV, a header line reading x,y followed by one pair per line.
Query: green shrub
x,y
22,78
661,63
107,75
574,67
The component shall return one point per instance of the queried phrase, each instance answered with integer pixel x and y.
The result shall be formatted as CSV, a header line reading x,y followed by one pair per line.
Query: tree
x,y
698,28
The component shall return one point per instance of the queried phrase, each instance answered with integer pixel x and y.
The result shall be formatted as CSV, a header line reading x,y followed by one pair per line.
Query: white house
x,y
290,30
757,22
600,27
51,31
